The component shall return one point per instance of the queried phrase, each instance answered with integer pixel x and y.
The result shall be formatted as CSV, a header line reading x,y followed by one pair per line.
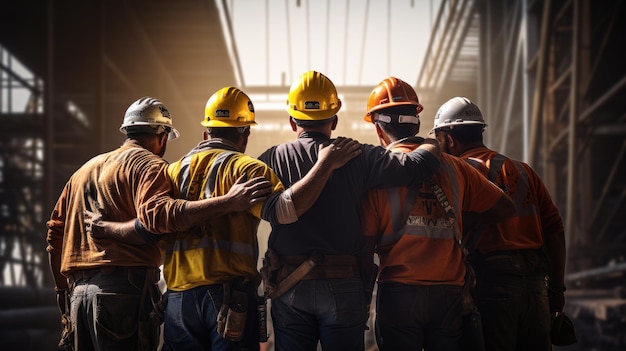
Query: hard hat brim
x,y
314,115
173,134
393,104
213,123
452,124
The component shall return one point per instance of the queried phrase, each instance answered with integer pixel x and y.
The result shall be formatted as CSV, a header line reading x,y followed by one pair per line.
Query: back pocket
x,y
116,314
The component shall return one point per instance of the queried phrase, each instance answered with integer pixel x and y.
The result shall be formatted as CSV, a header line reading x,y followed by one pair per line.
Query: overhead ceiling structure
x,y
356,43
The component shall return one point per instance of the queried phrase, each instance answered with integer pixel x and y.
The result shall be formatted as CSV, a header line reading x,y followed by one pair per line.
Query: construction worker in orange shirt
x,y
519,262
416,230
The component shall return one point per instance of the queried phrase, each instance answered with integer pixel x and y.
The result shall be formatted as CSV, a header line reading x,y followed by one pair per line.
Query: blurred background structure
x,y
549,76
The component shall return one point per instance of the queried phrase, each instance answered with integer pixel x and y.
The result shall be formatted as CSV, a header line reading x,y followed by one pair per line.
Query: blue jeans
x,y
412,317
329,311
191,321
513,302
105,309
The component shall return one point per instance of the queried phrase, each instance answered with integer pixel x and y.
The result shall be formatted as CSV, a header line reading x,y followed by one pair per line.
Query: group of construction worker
x,y
440,228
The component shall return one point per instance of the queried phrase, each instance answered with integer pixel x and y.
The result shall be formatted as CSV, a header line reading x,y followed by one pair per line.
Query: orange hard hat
x,y
392,92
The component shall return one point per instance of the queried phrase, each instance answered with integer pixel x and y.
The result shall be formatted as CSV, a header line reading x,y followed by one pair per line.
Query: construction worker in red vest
x,y
416,231
519,262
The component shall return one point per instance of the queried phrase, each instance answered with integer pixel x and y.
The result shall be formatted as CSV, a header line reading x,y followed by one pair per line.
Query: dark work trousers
x,y
329,311
191,320
107,309
512,299
412,317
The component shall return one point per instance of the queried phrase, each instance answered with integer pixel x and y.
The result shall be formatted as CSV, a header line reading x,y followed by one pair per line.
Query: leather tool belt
x,y
282,273
326,267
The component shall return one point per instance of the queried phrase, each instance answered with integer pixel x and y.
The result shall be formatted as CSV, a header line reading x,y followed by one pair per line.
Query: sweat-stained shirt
x,y
226,247
114,184
332,226
537,216
422,250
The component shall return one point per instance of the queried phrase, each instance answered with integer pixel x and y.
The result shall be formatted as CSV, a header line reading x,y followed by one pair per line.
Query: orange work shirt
x,y
424,251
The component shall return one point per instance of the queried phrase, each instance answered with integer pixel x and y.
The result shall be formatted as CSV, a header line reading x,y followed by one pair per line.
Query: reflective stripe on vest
x,y
189,188
436,228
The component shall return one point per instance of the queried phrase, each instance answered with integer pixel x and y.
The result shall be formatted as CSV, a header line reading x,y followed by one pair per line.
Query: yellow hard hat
x,y
313,97
228,107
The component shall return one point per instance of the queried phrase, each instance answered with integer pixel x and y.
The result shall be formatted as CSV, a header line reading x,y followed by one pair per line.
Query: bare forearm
x,y
199,212
240,197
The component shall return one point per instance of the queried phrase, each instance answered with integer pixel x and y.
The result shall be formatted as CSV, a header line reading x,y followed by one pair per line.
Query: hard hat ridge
x,y
148,114
228,107
458,111
313,97
391,93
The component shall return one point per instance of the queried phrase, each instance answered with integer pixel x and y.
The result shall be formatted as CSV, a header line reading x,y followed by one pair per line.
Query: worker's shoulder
x,y
466,166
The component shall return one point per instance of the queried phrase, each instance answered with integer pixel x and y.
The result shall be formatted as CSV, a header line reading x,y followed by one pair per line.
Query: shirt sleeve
x,y
550,217
157,210
56,223
388,169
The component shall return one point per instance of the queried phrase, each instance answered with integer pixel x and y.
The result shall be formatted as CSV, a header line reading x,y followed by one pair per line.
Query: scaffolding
x,y
550,80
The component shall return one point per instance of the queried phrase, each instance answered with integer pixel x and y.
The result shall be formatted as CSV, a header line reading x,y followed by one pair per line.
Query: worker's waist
x,y
507,254
326,266
88,273
524,262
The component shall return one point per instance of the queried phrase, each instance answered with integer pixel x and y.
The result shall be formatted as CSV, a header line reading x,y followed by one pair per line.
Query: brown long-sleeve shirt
x,y
127,183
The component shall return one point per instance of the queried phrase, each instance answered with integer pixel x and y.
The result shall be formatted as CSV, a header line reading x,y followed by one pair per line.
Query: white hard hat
x,y
457,111
148,112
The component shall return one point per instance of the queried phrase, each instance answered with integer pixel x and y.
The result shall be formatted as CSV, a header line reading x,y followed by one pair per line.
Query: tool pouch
x,y
231,319
269,271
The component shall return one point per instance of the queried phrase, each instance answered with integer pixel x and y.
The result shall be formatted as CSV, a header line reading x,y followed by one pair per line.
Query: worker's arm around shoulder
x,y
241,196
431,146
306,191
427,156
